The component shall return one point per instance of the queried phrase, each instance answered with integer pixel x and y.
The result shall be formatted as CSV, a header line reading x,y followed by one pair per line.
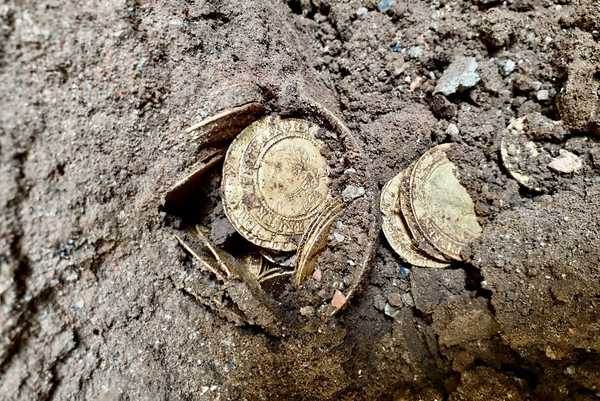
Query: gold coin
x,y
443,209
394,227
225,125
314,240
275,181
419,240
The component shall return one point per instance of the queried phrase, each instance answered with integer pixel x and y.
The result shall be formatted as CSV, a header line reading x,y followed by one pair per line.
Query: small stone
x,y
507,66
338,299
525,84
317,275
385,5
351,192
566,162
408,300
452,131
543,95
414,52
390,311
362,12
307,311
395,47
338,237
403,272
395,300
458,77
443,108
487,3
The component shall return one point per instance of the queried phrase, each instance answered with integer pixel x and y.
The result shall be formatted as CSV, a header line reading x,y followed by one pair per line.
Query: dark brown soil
x,y
97,300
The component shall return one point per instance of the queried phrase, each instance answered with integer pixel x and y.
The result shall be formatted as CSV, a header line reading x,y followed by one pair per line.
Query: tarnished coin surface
x,y
419,240
274,181
443,209
394,227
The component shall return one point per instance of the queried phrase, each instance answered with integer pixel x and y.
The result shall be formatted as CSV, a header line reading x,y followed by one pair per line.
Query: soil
x,y
97,299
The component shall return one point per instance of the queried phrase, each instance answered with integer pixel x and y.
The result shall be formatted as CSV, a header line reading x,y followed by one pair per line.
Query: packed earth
x,y
102,296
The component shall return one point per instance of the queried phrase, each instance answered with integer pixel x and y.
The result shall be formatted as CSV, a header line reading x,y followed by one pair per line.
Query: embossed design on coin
x,y
443,209
419,239
274,181
394,226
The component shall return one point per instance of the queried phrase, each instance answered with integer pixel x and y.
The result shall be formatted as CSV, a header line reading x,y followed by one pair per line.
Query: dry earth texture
x,y
99,302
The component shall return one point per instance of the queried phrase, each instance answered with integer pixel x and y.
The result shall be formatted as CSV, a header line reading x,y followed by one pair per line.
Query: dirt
x,y
98,300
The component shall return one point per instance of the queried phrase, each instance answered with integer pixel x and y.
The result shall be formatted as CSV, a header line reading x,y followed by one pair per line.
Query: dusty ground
x,y
97,300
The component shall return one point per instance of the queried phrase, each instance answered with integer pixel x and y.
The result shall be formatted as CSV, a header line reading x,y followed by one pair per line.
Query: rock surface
x,y
458,77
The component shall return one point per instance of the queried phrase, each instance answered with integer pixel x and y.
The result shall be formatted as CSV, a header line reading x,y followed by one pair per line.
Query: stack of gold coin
x,y
428,216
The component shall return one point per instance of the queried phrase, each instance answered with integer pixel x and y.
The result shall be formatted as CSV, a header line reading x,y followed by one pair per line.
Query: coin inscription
x,y
274,181
443,209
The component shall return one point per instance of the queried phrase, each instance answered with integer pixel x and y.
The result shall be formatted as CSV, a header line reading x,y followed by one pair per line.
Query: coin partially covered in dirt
x,y
275,181
418,238
443,209
223,126
232,107
525,160
394,226
314,240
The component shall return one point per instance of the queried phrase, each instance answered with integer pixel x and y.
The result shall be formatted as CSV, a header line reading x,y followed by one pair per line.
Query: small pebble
x,y
395,300
452,131
307,311
459,76
390,311
414,52
543,95
385,5
351,192
507,66
566,162
317,275
395,47
404,272
362,12
408,300
338,237
338,299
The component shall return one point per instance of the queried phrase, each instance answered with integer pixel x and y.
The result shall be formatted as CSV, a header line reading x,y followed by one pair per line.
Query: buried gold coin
x,y
225,125
419,240
314,240
395,230
443,209
275,181
234,106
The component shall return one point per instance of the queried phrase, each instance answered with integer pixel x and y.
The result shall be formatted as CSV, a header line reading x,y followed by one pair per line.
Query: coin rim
x,y
395,230
420,241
